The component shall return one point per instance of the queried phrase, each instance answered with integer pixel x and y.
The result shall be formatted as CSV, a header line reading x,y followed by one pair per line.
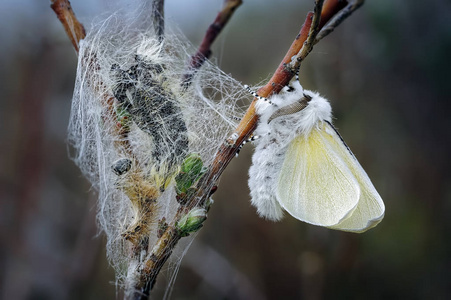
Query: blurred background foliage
x,y
386,72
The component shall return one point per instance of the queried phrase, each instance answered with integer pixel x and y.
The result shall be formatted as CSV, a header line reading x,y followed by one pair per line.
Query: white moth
x,y
302,165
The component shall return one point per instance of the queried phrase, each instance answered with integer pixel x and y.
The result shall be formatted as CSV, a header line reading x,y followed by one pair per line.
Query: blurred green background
x,y
386,72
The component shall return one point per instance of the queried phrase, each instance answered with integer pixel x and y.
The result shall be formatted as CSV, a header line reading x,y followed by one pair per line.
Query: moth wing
x,y
315,184
370,209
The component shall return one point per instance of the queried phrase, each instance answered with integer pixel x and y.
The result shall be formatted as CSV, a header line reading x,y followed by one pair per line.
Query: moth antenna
x,y
291,108
290,88
257,96
251,139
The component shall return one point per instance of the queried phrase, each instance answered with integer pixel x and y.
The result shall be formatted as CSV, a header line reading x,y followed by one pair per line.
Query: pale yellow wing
x,y
370,210
315,184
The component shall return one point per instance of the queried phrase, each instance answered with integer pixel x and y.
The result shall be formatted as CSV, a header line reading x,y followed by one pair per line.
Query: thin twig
x,y
340,17
74,29
215,28
158,18
308,44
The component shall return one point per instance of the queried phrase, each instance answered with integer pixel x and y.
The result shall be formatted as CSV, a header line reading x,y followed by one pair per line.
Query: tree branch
x,y
308,44
74,29
215,28
340,17
158,18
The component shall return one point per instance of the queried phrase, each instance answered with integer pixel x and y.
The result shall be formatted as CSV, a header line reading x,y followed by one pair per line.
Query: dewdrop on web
x,y
302,165
138,131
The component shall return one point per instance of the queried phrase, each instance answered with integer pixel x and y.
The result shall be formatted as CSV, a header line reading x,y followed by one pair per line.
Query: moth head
x,y
302,114
292,108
